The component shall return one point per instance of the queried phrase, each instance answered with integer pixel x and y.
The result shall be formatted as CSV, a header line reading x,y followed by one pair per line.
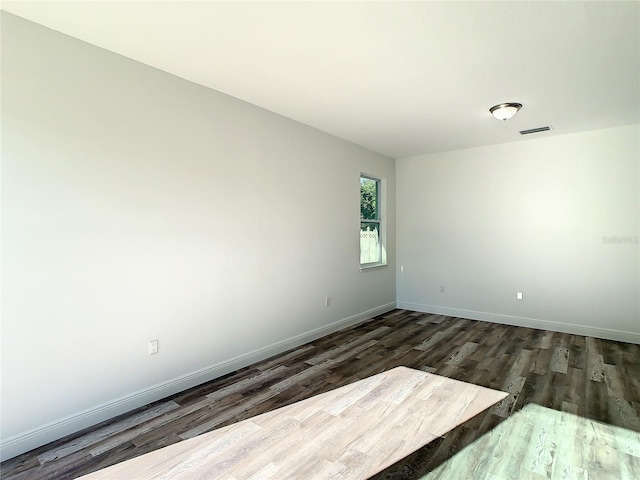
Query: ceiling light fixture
x,y
505,111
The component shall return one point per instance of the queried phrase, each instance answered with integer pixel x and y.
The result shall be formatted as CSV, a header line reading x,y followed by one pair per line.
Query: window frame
x,y
379,220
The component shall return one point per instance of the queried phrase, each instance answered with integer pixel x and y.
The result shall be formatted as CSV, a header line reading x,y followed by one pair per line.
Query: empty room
x,y
313,240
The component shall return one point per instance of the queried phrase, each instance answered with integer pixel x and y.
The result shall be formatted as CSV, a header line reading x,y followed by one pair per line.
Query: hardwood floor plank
x,y
154,425
597,402
106,432
385,417
249,382
596,367
522,364
559,360
540,443
541,361
545,340
576,380
600,381
284,359
459,355
513,386
219,418
334,352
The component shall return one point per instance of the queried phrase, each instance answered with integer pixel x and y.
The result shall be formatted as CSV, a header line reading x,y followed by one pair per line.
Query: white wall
x,y
531,217
138,206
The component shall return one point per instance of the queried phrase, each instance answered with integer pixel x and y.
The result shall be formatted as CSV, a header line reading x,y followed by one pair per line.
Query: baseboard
x,y
55,430
608,334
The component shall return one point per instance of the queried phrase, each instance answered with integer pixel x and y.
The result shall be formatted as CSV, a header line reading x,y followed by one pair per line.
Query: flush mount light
x,y
505,111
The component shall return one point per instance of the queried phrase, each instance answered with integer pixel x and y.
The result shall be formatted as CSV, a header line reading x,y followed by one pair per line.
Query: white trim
x,y
597,332
23,442
371,266
381,201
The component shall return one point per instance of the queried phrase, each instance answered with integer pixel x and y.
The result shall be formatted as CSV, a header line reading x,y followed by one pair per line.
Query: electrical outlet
x,y
327,301
153,347
518,295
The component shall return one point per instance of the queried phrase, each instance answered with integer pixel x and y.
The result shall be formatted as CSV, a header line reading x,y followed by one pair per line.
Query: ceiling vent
x,y
535,130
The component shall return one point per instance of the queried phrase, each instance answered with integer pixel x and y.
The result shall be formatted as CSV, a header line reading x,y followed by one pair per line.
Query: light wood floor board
x,y
601,383
351,432
540,443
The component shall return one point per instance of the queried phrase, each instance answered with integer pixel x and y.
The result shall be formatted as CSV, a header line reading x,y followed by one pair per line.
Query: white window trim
x,y
382,220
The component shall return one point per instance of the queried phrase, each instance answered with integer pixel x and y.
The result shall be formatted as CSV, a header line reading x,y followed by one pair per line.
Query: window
x,y
371,232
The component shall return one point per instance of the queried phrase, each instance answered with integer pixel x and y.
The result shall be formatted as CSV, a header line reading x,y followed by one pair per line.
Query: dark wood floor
x,y
593,378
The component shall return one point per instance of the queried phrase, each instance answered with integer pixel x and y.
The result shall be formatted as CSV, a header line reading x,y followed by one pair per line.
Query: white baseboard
x,y
608,334
55,430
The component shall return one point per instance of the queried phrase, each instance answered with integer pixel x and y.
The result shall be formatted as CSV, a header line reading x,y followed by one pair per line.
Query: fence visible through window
x,y
369,245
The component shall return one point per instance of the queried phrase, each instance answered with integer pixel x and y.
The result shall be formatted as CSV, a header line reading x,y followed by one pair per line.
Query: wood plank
x,y
560,360
107,432
383,418
540,443
501,354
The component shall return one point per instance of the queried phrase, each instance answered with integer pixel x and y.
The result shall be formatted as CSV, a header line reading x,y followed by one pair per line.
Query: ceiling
x,y
399,78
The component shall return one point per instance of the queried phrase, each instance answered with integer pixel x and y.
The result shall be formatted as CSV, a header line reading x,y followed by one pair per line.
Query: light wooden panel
x,y
601,382
351,432
538,443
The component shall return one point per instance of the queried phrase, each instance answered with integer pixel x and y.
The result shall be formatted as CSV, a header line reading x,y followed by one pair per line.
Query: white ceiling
x,y
400,78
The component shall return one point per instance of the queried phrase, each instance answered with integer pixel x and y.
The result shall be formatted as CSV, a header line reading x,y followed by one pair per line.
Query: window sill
x,y
372,266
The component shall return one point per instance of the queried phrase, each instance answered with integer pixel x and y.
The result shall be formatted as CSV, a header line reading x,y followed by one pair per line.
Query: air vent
x,y
535,130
